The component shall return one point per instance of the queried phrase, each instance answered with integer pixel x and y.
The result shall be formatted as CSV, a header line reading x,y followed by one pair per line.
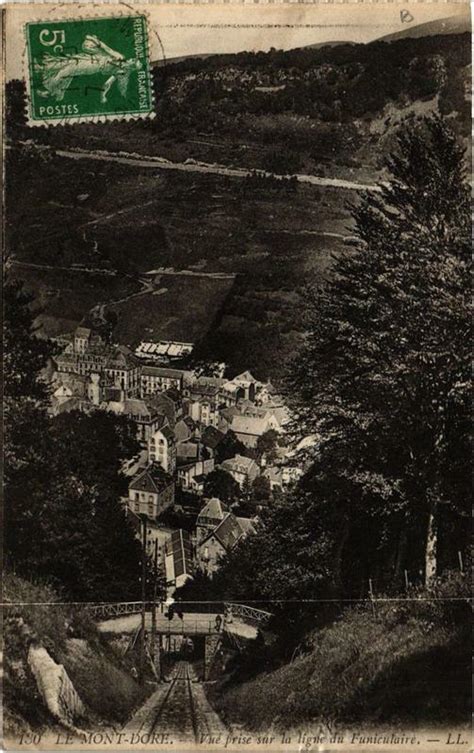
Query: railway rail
x,y
177,713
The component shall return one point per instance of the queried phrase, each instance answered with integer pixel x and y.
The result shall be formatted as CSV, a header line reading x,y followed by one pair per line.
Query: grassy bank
x,y
402,662
97,670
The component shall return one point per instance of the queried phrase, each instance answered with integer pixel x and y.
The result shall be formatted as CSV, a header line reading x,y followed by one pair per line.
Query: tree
x,y
229,447
261,490
383,375
63,517
24,354
266,445
222,485
67,523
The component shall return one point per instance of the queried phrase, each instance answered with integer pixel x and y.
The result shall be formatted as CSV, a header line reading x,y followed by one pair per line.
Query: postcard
x,y
237,319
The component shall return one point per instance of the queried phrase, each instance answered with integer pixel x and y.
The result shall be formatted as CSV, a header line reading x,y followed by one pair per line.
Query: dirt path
x,y
192,166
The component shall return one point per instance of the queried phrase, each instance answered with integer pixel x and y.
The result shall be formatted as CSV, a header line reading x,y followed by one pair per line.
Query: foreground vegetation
x,y
64,521
100,675
381,384
389,662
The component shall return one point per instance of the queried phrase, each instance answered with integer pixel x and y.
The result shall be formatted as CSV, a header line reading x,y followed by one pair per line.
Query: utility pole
x,y
155,646
142,633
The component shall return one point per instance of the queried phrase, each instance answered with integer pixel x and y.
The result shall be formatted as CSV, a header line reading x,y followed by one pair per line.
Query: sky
x,y
190,29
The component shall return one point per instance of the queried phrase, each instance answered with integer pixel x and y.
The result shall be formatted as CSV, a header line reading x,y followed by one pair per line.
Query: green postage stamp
x,y
88,69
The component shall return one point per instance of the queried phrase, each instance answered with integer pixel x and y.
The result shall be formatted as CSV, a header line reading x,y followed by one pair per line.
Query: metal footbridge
x,y
239,620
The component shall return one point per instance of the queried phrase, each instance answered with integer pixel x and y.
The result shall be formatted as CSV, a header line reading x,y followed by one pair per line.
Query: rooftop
x,y
238,460
82,332
245,377
213,509
179,547
247,525
168,433
228,532
153,480
254,425
159,371
211,437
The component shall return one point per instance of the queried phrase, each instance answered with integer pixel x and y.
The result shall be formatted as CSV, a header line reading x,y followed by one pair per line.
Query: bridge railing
x,y
245,613
231,610
107,610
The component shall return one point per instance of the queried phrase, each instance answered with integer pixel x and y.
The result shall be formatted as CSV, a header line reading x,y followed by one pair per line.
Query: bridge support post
x,y
212,644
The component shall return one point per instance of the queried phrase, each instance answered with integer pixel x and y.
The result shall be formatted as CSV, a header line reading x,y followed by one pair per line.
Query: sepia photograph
x,y
236,370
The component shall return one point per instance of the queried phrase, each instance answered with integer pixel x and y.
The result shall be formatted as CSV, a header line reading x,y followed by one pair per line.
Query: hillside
x,y
98,672
310,102
391,664
330,112
450,25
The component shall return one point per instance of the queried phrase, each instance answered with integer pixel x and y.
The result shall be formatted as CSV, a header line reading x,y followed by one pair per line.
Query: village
x,y
214,452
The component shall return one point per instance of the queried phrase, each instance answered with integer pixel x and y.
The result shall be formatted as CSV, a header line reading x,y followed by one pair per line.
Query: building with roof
x,y
151,492
179,561
185,429
82,337
211,549
188,451
248,429
123,370
279,411
246,384
143,413
200,390
163,351
242,469
162,448
191,475
211,438
87,353
203,410
168,403
226,416
159,379
210,516
274,476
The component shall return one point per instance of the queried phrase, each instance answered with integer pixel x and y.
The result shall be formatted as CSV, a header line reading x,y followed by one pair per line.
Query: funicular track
x,y
177,710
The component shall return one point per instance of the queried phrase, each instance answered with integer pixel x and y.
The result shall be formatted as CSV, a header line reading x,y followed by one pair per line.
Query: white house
x,y
151,492
162,448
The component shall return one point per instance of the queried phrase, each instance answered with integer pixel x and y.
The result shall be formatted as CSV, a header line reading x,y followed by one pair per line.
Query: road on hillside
x,y
192,166
178,708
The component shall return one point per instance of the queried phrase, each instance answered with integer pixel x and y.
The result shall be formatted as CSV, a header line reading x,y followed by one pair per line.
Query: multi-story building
x,y
143,413
123,369
87,353
162,448
204,411
242,469
151,492
191,475
211,515
211,549
156,379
